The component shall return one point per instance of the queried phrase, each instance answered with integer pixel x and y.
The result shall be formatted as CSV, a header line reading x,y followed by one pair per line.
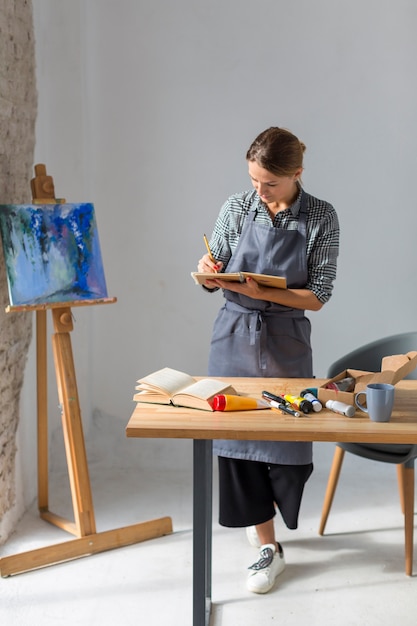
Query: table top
x,y
165,421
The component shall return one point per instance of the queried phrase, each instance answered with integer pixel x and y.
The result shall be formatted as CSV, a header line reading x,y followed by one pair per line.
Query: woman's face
x,y
273,190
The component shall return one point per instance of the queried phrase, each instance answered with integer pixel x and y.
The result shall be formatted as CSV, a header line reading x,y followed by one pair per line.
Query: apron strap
x,y
302,216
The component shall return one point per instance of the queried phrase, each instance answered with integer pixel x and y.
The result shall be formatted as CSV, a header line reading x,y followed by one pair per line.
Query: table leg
x,y
202,528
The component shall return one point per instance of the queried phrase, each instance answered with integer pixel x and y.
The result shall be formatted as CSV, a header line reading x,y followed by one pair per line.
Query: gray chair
x,y
368,358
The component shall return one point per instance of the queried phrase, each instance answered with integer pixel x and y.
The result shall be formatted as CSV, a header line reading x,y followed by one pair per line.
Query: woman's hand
x,y
207,266
249,287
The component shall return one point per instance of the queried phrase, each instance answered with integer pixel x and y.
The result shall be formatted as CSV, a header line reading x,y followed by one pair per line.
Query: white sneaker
x,y
252,535
265,571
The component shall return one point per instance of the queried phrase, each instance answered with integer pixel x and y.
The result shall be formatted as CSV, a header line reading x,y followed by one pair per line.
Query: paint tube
x,y
238,403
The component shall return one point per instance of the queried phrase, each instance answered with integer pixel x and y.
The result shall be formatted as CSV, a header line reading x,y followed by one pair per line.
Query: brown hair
x,y
278,151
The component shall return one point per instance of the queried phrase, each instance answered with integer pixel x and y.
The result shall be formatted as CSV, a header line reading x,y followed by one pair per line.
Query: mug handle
x,y
358,404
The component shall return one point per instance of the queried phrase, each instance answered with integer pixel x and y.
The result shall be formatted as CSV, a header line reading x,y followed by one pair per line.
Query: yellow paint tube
x,y
238,403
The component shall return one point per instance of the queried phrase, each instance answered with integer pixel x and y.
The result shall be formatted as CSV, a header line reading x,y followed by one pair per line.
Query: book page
x,y
205,388
152,396
167,380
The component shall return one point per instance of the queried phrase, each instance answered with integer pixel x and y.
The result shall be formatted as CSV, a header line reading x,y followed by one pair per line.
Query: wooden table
x,y
158,421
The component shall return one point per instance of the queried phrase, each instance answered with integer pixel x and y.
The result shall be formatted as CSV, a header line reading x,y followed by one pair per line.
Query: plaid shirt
x,y
322,238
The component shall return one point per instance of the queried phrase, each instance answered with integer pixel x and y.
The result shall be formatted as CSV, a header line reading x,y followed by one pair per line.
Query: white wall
x,y
147,109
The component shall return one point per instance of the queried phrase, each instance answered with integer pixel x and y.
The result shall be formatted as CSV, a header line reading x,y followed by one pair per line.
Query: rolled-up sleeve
x,y
323,254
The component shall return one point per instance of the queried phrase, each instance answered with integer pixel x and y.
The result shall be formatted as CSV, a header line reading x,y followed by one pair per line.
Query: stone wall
x,y
18,105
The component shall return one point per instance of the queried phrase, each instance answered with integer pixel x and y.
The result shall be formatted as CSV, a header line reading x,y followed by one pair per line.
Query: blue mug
x,y
379,401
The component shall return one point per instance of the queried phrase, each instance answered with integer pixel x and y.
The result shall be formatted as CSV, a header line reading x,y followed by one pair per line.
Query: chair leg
x,y
407,497
400,479
339,453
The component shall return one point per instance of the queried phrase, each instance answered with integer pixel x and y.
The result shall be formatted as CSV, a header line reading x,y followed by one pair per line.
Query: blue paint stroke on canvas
x,y
52,253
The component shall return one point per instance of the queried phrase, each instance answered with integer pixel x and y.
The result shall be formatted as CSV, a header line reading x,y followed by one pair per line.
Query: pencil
x,y
208,249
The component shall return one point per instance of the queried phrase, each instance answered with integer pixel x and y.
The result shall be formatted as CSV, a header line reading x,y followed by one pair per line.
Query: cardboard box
x,y
393,369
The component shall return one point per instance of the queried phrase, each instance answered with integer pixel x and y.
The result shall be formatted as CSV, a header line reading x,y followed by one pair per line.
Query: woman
x,y
276,228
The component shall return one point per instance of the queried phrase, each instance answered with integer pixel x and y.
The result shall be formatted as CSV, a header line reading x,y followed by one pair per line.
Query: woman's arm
x,y
293,298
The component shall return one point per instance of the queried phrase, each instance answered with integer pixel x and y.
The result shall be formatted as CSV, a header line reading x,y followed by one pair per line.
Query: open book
x,y
169,386
239,277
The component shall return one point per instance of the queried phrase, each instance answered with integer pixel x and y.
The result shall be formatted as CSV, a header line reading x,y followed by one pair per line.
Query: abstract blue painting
x,y
52,253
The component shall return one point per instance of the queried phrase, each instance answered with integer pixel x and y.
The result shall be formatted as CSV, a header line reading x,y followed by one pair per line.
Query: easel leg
x,y
42,410
71,423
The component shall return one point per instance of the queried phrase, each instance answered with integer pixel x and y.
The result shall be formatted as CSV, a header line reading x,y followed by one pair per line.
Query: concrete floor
x,y
354,575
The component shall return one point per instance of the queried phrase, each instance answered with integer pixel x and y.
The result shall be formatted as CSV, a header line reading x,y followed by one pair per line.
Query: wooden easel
x,y
83,526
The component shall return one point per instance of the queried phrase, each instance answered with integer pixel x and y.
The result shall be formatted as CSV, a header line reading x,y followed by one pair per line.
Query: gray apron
x,y
256,338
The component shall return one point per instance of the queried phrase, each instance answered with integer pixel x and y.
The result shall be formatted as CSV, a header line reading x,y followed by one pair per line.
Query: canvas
x,y
52,253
